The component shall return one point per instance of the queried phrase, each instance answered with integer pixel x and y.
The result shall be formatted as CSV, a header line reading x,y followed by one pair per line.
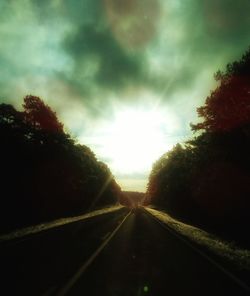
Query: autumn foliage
x,y
228,106
206,181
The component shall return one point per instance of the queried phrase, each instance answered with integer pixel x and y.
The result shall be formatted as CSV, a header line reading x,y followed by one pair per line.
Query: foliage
x,y
39,115
228,106
44,173
206,180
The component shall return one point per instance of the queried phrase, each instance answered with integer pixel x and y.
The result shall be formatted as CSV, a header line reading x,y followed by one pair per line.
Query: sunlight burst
x,y
136,138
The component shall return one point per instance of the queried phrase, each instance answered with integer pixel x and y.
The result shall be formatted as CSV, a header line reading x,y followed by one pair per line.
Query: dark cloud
x,y
223,30
112,67
84,56
212,32
226,20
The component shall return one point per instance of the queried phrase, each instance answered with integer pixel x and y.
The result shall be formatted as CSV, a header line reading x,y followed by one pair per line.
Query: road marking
x,y
194,248
65,289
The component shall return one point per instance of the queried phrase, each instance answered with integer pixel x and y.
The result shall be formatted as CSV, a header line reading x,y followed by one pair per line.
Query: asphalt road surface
x,y
140,258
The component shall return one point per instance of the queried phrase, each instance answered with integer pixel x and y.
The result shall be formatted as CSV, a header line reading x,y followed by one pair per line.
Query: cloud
x,y
100,61
84,57
103,47
226,20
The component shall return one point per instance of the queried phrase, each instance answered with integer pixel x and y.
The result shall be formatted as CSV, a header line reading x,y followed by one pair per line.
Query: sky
x,y
124,76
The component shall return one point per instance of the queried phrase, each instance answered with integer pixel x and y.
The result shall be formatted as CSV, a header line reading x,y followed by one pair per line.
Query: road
x,y
141,258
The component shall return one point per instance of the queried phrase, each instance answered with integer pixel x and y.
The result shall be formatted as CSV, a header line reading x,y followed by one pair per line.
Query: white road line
x,y
65,289
212,261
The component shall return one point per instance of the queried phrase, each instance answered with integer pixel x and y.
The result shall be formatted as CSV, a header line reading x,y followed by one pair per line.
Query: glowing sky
x,y
108,67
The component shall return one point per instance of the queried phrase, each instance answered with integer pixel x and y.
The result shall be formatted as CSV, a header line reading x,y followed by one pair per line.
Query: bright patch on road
x,y
241,257
55,223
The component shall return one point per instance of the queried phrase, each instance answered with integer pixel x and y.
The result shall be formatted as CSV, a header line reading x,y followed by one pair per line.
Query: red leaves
x,y
228,107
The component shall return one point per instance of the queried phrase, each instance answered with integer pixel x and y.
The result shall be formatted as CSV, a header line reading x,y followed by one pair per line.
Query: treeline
x,y
45,174
131,199
206,181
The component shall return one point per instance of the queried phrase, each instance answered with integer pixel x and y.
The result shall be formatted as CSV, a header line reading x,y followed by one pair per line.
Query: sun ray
x,y
136,137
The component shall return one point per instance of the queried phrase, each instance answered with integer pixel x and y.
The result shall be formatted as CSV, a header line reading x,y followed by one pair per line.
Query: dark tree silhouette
x,y
206,181
228,106
40,115
170,180
44,173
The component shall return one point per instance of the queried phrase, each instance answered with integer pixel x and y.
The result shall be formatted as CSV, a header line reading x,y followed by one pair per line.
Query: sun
x,y
135,139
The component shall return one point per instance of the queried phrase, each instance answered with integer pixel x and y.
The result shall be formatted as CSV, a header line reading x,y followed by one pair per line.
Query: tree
x,y
44,172
228,106
169,181
40,115
206,181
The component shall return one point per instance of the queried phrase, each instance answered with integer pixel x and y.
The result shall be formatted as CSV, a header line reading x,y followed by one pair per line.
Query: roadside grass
x,y
19,233
228,250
